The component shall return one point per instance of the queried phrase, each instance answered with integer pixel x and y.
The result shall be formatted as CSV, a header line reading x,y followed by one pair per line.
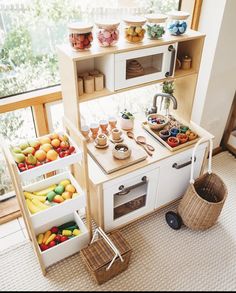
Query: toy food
x,y
174,131
108,33
164,134
182,137
173,141
155,26
134,31
191,135
57,235
80,36
177,25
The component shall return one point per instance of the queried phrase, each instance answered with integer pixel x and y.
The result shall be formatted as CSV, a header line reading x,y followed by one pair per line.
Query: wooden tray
x,y
110,164
154,133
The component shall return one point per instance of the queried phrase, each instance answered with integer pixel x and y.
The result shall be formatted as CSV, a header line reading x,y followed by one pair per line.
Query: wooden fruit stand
x,y
58,214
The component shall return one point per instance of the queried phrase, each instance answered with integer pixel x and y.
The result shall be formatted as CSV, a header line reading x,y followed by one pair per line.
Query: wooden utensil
x,y
130,134
142,140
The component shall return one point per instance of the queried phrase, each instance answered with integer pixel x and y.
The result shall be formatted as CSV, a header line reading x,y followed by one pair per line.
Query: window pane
x,y
31,29
14,126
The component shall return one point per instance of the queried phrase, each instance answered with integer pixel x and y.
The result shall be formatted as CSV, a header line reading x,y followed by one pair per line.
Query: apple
x,y
40,155
64,145
55,143
64,238
52,155
58,238
54,230
44,247
52,243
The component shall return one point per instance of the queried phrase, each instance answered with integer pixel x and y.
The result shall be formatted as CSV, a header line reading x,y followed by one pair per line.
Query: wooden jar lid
x,y
109,24
179,15
156,18
135,20
80,27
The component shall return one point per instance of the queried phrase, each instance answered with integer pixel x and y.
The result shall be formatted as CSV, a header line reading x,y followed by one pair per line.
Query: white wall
x,y
217,77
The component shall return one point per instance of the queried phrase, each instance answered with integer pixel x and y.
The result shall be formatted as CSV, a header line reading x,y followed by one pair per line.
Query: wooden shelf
x,y
97,94
182,72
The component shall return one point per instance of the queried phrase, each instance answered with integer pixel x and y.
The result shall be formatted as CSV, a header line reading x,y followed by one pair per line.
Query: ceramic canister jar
x,y
134,31
177,24
156,26
80,36
108,33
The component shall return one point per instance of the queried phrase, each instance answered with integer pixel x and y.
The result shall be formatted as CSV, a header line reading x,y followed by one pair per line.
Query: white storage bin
x,y
60,163
58,210
232,139
68,247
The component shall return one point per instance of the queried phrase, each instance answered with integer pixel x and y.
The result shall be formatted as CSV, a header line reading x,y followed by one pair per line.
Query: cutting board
x,y
110,164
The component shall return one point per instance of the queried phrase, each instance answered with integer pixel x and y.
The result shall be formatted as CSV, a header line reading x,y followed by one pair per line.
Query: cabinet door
x,y
128,199
175,175
151,64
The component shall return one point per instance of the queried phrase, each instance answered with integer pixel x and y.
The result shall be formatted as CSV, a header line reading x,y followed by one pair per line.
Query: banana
x,y
44,192
31,196
38,204
40,239
32,208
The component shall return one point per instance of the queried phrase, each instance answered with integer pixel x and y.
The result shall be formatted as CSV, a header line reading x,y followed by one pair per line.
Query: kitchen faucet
x,y
162,95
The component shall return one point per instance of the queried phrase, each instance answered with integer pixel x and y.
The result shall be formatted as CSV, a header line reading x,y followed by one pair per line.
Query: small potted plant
x,y
167,88
127,120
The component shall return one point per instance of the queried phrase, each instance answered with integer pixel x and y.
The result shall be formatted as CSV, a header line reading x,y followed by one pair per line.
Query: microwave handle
x,y
126,190
171,48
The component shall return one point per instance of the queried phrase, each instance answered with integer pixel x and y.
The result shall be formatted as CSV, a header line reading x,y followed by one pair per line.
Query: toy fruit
x,y
44,192
59,189
40,155
70,188
51,195
54,230
17,150
76,232
64,238
19,158
30,196
52,243
71,149
52,155
54,136
50,238
58,199
34,144
46,236
40,239
39,204
67,195
32,208
67,225
46,147
45,140
58,238
172,141
66,233
31,160
28,150
44,247
65,182
55,143
64,145
23,145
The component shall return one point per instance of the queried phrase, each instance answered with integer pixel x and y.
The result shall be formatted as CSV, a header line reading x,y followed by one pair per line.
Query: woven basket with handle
x,y
106,257
203,201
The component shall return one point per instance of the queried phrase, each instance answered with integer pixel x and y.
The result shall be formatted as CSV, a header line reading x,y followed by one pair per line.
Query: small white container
x,y
156,26
126,124
134,31
177,24
107,33
80,36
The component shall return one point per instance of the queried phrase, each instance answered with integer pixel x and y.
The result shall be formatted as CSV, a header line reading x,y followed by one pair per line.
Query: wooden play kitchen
x,y
122,194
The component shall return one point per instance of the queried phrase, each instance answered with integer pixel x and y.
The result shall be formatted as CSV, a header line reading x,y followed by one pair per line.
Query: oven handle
x,y
171,49
126,190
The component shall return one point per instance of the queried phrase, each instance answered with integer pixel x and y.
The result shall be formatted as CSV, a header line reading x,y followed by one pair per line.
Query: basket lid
x,y
108,24
135,20
80,27
99,253
179,15
156,18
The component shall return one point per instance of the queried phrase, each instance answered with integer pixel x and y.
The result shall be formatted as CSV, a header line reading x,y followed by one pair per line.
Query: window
x,y
31,29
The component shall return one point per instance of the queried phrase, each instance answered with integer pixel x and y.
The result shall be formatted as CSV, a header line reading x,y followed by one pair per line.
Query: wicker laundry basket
x,y
203,201
106,257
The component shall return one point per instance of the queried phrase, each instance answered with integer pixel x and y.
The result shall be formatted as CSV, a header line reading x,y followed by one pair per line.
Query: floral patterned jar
x,y
177,24
80,36
108,33
156,26
134,31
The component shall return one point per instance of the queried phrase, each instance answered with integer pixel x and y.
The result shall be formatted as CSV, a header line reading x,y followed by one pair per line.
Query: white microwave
x,y
144,65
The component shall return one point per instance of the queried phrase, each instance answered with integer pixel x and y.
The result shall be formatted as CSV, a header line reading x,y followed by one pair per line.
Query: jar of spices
x,y
108,33
134,31
177,24
156,26
80,36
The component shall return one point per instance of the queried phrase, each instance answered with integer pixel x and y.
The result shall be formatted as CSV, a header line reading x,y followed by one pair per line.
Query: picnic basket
x,y
106,257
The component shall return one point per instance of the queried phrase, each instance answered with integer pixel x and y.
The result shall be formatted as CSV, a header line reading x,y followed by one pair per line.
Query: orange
x,y
40,155
46,147
55,142
52,155
70,188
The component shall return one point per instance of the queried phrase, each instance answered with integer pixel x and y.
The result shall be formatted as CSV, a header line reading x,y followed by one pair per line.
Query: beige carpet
x,y
163,259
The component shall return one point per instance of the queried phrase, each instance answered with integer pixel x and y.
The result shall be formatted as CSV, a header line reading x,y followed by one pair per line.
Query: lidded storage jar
x,y
108,33
156,26
134,31
80,36
177,24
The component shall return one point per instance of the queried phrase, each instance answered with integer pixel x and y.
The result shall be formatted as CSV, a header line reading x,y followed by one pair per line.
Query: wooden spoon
x,y
142,140
130,134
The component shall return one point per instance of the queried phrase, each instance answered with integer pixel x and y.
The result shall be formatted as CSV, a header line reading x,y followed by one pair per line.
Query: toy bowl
x,y
174,131
164,134
121,151
173,141
182,137
157,121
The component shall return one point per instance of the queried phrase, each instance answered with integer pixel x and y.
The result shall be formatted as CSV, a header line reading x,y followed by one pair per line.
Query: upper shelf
x,y
124,46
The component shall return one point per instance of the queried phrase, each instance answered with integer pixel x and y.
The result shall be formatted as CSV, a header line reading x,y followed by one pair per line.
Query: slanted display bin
x,y
106,257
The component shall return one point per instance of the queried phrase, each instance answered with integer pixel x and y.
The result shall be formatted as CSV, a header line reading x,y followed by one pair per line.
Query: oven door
x,y
130,199
150,64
